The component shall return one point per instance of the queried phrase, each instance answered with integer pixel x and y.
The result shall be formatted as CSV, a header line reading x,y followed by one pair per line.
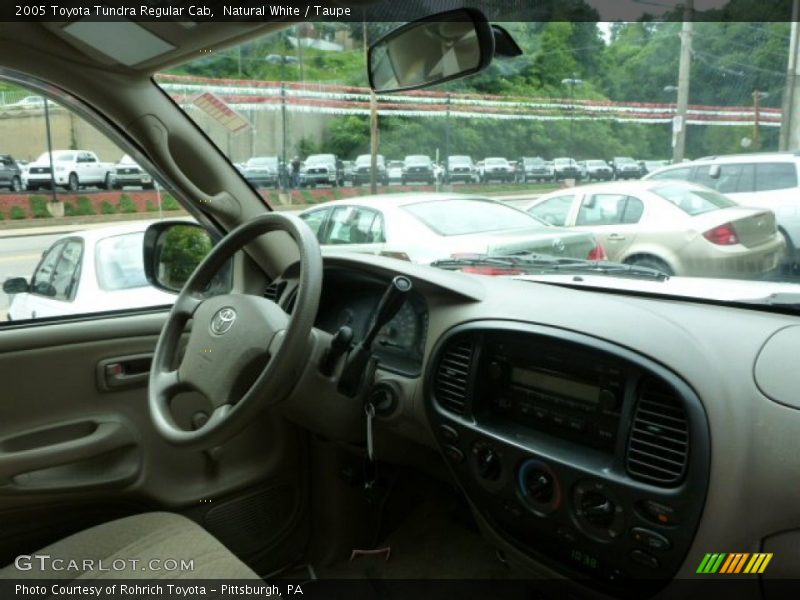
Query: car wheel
x,y
16,185
651,262
107,182
73,185
148,186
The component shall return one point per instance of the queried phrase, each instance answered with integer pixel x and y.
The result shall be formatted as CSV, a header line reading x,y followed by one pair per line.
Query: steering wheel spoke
x,y
241,347
186,305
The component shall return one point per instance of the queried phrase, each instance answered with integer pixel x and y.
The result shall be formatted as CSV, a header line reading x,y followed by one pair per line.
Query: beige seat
x,y
157,536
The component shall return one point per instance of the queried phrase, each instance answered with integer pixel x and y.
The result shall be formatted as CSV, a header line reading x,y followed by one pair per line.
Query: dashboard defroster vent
x,y
275,290
658,447
452,375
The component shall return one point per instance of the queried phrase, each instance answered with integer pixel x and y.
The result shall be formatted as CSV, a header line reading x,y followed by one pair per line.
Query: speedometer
x,y
402,332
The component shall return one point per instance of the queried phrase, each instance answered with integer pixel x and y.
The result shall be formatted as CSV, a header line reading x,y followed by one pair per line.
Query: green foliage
x,y
38,207
308,197
2,216
169,203
84,207
69,209
183,247
307,146
107,208
127,205
17,212
150,206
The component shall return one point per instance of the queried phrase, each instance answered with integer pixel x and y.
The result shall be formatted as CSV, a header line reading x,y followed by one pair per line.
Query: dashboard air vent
x,y
452,375
275,290
658,447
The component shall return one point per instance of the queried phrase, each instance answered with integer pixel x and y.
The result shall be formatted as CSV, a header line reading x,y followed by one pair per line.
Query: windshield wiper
x,y
531,263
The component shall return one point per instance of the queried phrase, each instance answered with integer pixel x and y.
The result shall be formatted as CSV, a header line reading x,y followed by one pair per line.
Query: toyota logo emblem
x,y
223,320
559,246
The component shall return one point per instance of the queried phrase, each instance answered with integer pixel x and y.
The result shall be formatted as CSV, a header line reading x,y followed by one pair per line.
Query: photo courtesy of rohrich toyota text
x,y
379,299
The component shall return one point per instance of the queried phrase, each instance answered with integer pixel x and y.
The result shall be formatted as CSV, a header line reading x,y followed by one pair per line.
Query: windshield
x,y
265,161
57,157
462,217
591,103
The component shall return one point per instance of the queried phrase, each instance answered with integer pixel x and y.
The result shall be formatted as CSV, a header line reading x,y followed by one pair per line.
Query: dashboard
x,y
610,439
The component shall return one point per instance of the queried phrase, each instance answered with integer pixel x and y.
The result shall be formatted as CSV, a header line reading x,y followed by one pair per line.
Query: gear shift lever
x,y
388,306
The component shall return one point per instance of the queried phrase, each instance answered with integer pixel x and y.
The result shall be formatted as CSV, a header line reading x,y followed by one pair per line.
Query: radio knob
x,y
495,370
608,400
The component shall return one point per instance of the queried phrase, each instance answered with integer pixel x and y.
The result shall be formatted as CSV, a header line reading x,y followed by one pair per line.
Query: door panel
x,y
69,442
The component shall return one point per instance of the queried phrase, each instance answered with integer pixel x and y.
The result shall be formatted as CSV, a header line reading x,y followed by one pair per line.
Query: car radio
x,y
554,390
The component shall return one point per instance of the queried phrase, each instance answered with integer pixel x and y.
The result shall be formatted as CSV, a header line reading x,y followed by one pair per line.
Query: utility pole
x,y
790,121
757,96
50,149
684,73
373,125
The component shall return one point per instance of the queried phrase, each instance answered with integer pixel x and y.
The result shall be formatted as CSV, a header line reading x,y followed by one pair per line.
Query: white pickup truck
x,y
72,169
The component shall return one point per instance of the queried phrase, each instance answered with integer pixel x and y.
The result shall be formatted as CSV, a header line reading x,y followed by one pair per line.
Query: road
x,y
19,257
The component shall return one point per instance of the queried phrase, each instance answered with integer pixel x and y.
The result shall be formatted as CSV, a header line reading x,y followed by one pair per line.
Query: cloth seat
x,y
155,536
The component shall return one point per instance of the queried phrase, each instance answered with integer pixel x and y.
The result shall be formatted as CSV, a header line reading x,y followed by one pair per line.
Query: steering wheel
x,y
244,352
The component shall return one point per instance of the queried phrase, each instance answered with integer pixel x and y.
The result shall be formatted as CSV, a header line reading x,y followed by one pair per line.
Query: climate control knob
x,y
539,487
597,511
488,464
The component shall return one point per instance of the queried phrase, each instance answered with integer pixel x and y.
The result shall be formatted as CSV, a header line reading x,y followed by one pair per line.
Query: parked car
x,y
87,271
533,169
394,170
582,173
10,173
498,169
348,171
128,173
430,226
565,168
321,169
460,168
625,168
362,172
262,171
650,166
769,180
417,167
675,227
72,169
28,102
598,170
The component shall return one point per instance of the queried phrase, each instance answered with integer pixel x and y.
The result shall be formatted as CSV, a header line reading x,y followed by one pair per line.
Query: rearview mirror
x,y
173,250
15,285
432,50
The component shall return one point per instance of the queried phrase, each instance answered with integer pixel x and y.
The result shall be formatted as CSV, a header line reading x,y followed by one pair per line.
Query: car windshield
x,y
579,88
463,217
264,161
57,157
693,201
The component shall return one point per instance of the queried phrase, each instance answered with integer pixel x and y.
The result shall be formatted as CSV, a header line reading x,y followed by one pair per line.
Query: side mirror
x,y
432,50
173,250
16,285
714,171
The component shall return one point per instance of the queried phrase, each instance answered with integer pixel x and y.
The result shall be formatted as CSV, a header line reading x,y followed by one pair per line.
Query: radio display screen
x,y
558,385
